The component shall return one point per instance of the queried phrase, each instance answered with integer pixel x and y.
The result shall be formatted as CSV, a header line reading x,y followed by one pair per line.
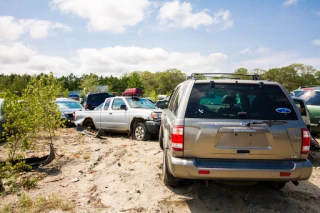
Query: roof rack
x,y
198,76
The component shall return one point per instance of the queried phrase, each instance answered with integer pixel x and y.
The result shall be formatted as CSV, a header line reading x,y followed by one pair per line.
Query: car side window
x,y
174,102
106,105
117,102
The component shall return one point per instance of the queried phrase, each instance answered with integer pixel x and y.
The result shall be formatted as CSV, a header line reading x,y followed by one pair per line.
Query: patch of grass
x,y
30,182
24,201
44,203
6,209
80,137
86,156
40,204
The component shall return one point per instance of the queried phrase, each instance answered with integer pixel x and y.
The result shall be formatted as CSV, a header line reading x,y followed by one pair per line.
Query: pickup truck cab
x,y
136,116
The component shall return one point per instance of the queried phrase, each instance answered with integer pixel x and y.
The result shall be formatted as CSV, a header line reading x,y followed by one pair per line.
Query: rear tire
x,y
140,132
167,178
161,138
277,185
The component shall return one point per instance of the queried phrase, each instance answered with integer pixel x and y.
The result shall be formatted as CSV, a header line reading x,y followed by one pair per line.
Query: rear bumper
x,y
258,170
153,126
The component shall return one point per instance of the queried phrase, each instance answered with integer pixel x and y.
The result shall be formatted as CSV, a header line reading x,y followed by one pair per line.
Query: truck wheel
x,y
167,178
161,138
140,132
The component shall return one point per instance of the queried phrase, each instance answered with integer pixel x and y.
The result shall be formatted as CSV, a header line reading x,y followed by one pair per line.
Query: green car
x,y
311,96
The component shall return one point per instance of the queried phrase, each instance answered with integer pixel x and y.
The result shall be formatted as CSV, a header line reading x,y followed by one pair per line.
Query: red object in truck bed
x,y
132,92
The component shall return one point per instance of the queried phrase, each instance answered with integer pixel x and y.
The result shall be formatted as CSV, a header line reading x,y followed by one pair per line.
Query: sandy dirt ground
x,y
118,174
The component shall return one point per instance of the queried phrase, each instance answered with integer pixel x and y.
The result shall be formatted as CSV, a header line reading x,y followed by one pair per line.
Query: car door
x,y
104,113
117,117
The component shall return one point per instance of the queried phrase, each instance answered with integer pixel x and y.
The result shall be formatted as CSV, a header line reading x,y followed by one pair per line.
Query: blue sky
x,y
115,37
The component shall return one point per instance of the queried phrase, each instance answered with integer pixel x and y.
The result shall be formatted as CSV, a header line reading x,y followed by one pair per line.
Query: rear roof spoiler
x,y
199,76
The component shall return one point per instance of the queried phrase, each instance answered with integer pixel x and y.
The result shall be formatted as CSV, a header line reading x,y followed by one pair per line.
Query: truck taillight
x,y
305,141
177,138
87,105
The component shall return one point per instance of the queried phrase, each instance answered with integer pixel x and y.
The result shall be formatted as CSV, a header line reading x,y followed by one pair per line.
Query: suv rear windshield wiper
x,y
268,122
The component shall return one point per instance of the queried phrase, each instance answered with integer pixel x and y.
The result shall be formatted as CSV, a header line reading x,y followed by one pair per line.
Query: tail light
x,y
87,105
177,138
305,141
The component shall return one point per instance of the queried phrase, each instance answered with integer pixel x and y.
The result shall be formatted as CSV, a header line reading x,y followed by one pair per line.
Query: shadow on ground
x,y
153,138
49,171
201,196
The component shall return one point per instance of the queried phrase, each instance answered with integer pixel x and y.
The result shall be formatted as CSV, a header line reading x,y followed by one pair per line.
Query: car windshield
x,y
99,97
135,102
239,101
68,105
311,97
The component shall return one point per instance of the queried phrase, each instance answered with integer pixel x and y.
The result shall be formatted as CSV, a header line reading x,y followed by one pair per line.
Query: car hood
x,y
70,110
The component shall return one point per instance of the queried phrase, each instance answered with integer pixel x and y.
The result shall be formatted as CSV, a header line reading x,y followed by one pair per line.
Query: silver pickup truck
x,y
136,116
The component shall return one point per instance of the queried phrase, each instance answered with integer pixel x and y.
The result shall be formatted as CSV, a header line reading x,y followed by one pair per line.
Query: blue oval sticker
x,y
283,110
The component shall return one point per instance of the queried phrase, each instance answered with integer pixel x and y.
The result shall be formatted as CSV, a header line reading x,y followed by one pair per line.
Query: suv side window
x,y
106,106
117,102
174,102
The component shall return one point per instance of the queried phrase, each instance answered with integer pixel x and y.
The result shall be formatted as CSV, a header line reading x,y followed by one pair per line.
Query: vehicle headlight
x,y
154,115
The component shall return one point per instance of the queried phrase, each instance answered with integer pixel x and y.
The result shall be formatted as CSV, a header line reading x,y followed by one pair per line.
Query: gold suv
x,y
233,129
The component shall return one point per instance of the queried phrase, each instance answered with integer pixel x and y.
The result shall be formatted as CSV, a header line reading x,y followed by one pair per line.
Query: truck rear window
x,y
239,101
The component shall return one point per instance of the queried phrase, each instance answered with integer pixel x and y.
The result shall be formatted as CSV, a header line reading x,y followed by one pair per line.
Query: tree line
x,y
162,82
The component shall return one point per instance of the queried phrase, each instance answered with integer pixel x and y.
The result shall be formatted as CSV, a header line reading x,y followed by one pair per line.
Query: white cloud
x,y
119,60
15,53
316,42
19,59
277,59
245,51
289,2
12,29
105,15
223,18
9,28
177,14
255,51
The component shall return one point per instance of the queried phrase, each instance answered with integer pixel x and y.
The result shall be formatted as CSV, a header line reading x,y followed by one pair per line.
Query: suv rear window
x,y
239,101
99,97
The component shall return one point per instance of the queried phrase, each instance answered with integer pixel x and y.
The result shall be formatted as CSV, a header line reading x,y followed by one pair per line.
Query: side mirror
x,y
123,107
